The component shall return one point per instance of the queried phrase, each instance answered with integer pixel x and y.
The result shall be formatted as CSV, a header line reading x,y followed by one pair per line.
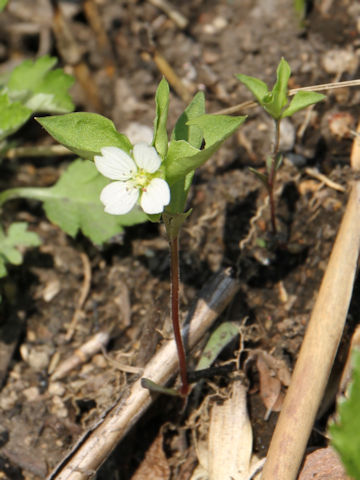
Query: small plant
x,y
30,87
152,181
278,105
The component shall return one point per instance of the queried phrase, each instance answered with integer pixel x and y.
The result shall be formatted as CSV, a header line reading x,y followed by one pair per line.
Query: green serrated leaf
x,y
257,87
27,75
302,100
183,158
74,203
85,133
344,433
39,88
218,340
160,141
51,94
16,236
12,116
183,130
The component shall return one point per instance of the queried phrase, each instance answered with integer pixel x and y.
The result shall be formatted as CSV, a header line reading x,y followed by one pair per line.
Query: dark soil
x,y
128,292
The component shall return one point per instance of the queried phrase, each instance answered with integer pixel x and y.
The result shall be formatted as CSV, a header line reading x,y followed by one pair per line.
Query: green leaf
x,y
2,6
344,433
183,158
190,133
160,141
179,192
16,236
12,116
38,88
275,102
85,133
74,203
218,340
261,176
302,100
257,87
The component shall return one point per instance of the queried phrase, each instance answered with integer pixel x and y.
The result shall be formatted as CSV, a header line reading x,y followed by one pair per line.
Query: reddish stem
x,y
272,177
174,256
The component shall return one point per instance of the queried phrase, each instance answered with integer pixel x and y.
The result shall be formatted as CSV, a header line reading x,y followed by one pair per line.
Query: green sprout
x,y
278,105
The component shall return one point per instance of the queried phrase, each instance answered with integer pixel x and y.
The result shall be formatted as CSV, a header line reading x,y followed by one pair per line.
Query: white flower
x,y
136,177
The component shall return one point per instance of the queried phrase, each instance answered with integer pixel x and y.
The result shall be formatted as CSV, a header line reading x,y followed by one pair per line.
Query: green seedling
x,y
30,87
278,105
141,181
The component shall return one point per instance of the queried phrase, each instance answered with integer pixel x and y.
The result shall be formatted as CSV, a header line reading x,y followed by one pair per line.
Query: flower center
x,y
142,179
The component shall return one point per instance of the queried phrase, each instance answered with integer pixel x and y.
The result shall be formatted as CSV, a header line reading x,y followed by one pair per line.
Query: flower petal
x,y
119,197
115,164
155,196
146,157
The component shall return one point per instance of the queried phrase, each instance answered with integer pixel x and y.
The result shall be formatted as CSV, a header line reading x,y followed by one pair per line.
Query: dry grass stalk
x,y
318,350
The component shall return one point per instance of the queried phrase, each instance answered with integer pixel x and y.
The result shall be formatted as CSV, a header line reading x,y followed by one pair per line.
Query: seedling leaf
x,y
16,236
38,88
262,177
345,432
302,100
256,86
218,340
160,141
275,102
85,133
12,116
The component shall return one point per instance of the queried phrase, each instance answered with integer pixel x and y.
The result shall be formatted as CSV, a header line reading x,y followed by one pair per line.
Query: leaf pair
x,y
276,102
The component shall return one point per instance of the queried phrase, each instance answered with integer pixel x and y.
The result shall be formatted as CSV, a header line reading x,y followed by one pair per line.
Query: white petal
x,y
115,164
119,197
146,157
156,196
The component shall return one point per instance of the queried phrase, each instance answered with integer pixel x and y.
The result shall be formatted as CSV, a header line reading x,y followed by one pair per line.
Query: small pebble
x,y
340,60
31,394
56,388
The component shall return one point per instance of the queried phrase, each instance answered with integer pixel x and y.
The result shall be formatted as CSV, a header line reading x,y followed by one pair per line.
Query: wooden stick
x,y
318,350
97,444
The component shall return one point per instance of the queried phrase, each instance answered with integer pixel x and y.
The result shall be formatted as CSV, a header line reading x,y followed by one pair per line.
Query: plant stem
x,y
174,257
272,176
